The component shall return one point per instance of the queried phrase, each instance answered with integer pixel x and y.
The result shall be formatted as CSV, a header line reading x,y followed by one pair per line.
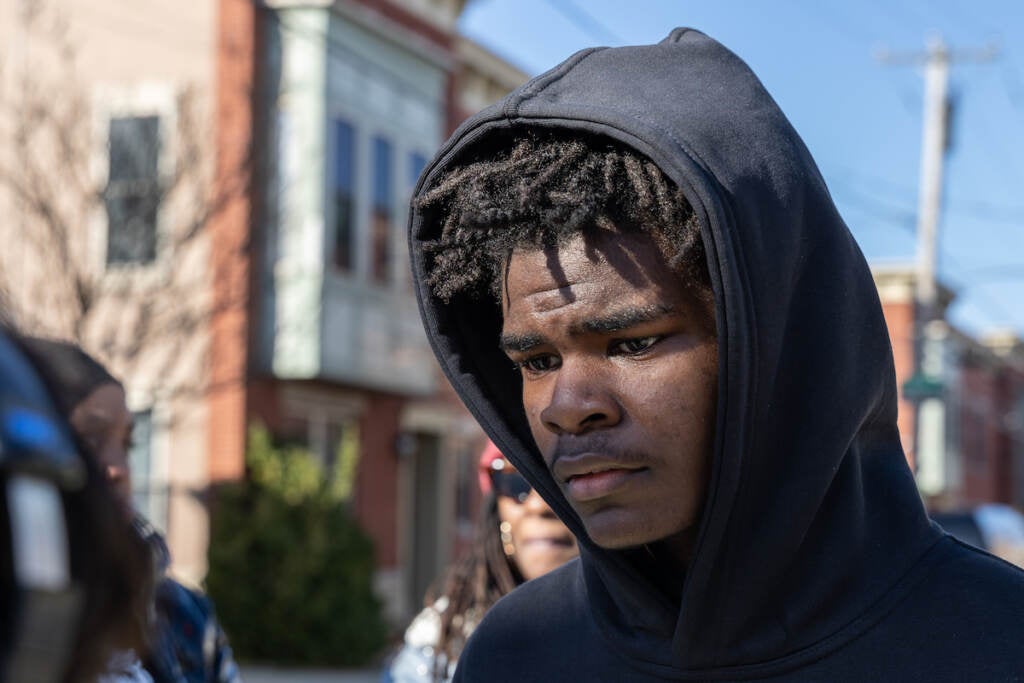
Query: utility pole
x,y
936,60
934,145
925,388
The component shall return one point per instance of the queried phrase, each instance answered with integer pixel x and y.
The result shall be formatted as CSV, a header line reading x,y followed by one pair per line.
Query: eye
x,y
538,364
633,347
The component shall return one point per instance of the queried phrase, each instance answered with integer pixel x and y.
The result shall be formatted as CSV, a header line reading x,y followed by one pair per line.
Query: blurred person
x,y
70,572
184,641
633,274
518,538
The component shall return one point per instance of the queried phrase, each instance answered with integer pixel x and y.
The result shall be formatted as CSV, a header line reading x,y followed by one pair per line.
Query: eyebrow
x,y
520,342
622,319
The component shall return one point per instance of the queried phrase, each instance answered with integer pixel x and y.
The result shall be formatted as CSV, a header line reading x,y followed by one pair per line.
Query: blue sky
x,y
860,118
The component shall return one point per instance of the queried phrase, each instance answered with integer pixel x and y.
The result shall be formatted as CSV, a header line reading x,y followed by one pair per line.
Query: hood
x,y
812,516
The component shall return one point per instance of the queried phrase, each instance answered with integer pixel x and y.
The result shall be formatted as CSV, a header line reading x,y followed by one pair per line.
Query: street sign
x,y
920,387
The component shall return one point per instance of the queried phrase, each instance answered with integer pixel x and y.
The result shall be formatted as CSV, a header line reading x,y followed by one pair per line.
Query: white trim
x,y
160,435
151,98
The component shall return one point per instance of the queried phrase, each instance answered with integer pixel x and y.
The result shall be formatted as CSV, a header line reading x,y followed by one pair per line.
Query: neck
x,y
666,561
676,551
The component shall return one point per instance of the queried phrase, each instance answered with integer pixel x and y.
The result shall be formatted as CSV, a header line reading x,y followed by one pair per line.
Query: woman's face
x,y
103,422
539,540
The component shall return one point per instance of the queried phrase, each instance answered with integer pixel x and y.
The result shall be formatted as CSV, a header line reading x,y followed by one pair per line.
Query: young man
x,y
633,274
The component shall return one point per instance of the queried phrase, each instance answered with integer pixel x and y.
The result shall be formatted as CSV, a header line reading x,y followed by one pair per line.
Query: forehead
x,y
591,273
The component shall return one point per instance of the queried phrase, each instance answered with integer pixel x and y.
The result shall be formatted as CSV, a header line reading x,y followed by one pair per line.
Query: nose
x,y
580,401
116,473
535,505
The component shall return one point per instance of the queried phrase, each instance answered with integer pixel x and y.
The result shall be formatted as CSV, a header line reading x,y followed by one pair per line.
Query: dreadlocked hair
x,y
540,191
471,586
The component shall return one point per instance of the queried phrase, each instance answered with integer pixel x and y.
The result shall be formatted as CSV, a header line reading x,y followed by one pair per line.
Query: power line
x,y
909,16
585,21
1013,85
904,218
961,18
977,209
901,216
824,16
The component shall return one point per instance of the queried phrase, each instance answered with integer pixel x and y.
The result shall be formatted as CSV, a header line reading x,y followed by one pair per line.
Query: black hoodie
x,y
815,559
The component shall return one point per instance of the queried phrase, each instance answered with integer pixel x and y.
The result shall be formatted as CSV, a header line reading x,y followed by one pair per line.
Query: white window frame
x,y
158,99
159,456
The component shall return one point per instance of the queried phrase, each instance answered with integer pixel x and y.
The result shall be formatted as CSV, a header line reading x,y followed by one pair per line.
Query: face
x,y
539,540
619,361
103,422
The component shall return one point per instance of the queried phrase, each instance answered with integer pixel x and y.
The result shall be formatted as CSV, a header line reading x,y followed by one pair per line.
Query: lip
x,y
546,542
587,464
586,487
588,476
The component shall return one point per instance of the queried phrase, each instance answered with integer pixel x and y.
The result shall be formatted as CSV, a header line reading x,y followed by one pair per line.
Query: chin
x,y
618,538
614,530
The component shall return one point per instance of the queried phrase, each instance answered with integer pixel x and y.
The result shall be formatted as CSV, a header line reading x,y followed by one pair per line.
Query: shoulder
x,y
174,599
975,586
545,604
963,618
547,617
425,629
988,574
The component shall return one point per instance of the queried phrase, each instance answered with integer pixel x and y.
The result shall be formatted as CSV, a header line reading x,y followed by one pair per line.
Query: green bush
x,y
290,570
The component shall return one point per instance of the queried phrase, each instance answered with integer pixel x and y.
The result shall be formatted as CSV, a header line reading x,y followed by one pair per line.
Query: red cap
x,y
489,455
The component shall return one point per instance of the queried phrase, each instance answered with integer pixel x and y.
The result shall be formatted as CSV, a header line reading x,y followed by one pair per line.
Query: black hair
x,y
471,586
541,189
111,565
65,365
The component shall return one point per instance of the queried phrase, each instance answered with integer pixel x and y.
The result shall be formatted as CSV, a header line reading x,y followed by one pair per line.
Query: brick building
x,y
966,443
309,122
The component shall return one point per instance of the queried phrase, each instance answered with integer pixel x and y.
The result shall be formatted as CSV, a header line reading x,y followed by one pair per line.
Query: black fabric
x,y
815,560
71,372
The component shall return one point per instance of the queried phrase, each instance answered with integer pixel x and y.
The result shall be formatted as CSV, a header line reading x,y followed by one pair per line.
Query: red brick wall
x,y
230,228
376,497
986,440
977,434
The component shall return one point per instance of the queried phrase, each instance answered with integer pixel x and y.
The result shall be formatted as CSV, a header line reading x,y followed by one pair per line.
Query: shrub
x,y
290,570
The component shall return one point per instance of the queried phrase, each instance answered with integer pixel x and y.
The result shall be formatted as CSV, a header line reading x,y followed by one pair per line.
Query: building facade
x,y
961,411
246,262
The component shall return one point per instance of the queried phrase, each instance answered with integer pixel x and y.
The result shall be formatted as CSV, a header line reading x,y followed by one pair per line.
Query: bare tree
x,y
107,218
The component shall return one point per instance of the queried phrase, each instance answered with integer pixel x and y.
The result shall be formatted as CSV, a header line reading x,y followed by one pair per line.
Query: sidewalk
x,y
269,674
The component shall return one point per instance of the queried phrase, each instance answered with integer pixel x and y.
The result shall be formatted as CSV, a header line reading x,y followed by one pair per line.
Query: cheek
x,y
677,405
508,511
535,399
511,512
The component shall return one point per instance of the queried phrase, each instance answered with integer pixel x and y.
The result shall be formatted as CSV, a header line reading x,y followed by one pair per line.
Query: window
x,y
380,227
344,195
132,196
149,491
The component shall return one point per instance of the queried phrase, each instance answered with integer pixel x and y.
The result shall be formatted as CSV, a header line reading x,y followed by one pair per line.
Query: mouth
x,y
589,476
546,543
599,484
